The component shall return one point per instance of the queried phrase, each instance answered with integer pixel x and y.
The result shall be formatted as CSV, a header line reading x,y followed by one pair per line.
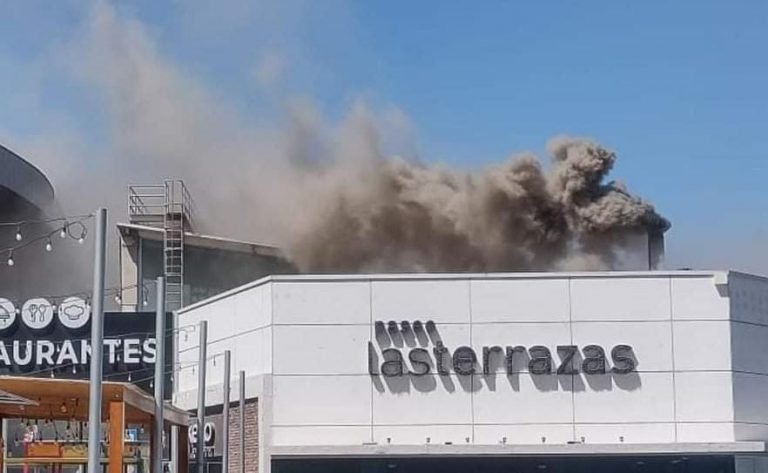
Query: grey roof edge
x,y
207,241
25,179
718,276
511,450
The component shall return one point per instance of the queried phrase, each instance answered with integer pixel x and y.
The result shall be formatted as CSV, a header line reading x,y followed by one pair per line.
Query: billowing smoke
x,y
404,216
330,194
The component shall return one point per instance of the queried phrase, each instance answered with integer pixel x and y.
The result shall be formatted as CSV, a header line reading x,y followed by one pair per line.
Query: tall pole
x,y
225,416
97,344
242,420
159,424
200,447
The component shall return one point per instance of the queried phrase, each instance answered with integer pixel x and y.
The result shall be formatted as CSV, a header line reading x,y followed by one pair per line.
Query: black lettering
x,y
594,360
372,368
440,352
421,363
511,357
393,363
567,352
464,360
487,352
623,359
541,360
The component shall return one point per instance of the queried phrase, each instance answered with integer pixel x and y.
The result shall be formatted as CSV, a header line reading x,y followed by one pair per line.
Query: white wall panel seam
x,y
570,329
672,347
371,336
471,342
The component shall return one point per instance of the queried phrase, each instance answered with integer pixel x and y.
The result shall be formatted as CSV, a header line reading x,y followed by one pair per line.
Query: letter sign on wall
x,y
571,359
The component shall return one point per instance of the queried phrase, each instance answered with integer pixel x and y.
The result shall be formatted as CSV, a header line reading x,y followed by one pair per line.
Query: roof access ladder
x,y
170,207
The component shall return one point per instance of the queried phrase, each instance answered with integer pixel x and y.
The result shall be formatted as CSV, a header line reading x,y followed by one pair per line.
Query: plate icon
x,y
37,313
7,314
74,313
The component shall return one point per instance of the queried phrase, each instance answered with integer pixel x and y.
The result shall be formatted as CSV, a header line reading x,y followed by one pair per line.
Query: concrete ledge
x,y
365,451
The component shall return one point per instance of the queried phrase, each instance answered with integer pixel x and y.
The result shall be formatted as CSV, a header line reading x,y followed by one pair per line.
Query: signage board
x,y
42,340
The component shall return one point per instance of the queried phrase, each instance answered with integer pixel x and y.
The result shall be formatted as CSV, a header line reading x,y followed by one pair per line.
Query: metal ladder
x,y
173,246
170,207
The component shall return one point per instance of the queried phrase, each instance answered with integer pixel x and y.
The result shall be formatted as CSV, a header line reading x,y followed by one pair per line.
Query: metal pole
x,y
159,424
225,416
97,344
242,421
203,349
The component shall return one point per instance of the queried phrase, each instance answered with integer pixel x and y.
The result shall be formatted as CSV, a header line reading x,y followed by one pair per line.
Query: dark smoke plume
x,y
325,191
404,216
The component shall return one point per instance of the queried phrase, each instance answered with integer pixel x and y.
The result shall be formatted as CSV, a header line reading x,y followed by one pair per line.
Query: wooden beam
x,y
183,453
152,446
116,436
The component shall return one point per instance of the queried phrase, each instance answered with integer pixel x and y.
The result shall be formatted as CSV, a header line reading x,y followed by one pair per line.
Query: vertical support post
x,y
97,344
116,437
158,426
241,383
182,454
225,415
201,365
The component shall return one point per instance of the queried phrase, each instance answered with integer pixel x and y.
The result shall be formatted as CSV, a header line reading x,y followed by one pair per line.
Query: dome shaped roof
x,y
22,184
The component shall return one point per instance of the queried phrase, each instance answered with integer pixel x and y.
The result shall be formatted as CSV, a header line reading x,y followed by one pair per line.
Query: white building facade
x,y
663,370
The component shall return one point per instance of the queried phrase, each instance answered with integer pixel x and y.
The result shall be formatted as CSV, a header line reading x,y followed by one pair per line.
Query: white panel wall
x,y
749,337
240,322
620,298
312,336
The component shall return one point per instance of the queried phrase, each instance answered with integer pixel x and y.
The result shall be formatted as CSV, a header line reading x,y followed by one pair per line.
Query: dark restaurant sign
x,y
44,340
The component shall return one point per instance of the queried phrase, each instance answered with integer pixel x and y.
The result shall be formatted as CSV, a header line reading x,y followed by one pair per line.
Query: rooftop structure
x,y
24,190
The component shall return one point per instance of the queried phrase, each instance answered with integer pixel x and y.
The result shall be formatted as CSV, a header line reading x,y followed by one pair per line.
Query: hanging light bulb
x,y
118,299
19,236
81,240
48,245
10,258
63,232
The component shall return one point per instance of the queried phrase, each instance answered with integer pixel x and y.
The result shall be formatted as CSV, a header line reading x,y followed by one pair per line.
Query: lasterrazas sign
x,y
465,361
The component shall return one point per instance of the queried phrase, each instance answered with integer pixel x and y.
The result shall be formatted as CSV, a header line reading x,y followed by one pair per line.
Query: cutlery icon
x,y
37,312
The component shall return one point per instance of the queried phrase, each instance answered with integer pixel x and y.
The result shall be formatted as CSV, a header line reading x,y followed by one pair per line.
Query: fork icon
x,y
37,313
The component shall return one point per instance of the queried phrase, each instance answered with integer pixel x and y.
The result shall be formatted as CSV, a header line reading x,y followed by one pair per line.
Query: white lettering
x,y
45,351
112,345
85,352
132,351
67,354
27,352
4,355
150,352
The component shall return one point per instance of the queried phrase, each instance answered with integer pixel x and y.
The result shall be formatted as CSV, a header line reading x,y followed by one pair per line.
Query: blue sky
x,y
678,89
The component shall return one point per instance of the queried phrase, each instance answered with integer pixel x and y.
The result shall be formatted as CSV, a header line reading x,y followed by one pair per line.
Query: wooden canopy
x,y
68,399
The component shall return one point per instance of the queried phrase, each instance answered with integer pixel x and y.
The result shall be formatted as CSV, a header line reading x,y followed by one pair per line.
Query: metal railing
x,y
168,206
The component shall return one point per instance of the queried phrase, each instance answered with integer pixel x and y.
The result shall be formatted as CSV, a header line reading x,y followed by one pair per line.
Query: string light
x,y
72,227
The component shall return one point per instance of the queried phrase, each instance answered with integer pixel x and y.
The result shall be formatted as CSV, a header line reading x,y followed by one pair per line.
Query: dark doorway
x,y
653,464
